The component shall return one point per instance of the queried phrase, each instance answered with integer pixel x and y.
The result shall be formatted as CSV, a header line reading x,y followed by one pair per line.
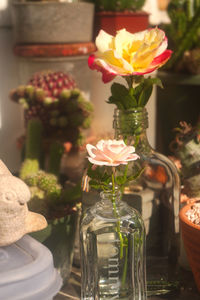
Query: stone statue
x,y
15,218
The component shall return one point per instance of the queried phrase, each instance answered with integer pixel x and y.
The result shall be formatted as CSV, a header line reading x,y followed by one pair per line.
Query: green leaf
x,y
118,103
144,90
118,90
155,81
130,101
135,176
138,78
145,95
96,186
131,91
139,88
120,180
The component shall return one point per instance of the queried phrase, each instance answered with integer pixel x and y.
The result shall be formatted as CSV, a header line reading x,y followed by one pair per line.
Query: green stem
x,y
129,80
187,40
137,138
55,156
116,214
113,180
123,240
33,139
125,262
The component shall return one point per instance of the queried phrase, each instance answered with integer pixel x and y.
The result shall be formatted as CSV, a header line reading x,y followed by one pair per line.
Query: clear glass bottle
x,y
112,239
156,192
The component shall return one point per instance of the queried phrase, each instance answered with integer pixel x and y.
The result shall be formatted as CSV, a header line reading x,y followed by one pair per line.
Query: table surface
x,y
186,290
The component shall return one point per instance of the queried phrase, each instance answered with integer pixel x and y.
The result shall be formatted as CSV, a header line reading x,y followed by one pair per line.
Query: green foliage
x,y
56,153
56,111
184,30
117,5
100,177
34,139
47,194
127,98
60,117
29,167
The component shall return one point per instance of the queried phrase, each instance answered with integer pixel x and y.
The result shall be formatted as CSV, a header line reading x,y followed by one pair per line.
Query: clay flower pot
x,y
111,21
191,239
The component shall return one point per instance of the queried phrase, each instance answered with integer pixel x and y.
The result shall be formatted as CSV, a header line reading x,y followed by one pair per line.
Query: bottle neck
x,y
130,125
111,196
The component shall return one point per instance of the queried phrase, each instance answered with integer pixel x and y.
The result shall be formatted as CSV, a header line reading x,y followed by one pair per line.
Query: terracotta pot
x,y
191,239
112,21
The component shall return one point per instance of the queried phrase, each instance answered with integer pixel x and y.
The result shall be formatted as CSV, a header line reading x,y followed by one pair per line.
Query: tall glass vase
x,y
112,251
155,194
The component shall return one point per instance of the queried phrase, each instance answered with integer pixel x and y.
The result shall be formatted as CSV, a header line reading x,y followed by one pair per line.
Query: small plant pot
x,y
51,22
113,21
191,239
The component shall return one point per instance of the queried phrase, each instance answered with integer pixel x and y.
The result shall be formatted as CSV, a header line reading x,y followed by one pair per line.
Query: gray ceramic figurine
x,y
15,218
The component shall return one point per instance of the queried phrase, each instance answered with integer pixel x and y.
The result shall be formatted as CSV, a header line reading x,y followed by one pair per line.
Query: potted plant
x,y
114,15
186,147
179,101
52,22
186,156
56,114
183,33
190,227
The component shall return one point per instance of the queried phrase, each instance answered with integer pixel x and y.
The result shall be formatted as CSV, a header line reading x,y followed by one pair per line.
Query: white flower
x,y
111,153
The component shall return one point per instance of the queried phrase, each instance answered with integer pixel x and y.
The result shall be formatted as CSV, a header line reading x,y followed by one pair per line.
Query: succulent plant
x,y
183,31
186,147
53,98
48,195
117,5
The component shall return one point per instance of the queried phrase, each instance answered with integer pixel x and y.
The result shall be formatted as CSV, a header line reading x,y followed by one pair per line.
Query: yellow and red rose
x,y
129,54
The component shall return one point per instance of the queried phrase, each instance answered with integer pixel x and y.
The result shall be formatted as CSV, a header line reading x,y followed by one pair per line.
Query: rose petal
x,y
133,157
124,39
103,163
111,153
102,155
161,59
129,54
100,145
124,153
104,41
107,73
98,162
162,47
90,150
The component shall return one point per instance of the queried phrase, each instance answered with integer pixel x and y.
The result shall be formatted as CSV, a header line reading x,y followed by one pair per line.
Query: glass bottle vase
x,y
112,239
155,194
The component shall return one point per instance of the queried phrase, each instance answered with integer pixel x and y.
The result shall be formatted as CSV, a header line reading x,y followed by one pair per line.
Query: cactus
x,y
56,152
56,112
47,195
34,139
53,98
183,31
117,5
187,40
187,149
29,167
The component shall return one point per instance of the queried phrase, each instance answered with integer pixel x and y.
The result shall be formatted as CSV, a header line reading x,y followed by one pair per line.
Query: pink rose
x,y
129,54
111,153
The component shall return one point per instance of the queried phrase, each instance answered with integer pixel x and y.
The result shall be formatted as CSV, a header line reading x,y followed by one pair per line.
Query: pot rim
x,y
128,13
50,3
184,218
